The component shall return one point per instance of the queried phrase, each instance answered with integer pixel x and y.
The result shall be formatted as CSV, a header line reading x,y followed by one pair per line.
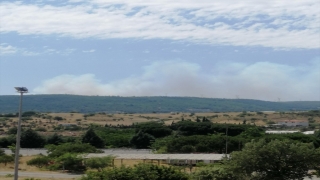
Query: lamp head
x,y
21,89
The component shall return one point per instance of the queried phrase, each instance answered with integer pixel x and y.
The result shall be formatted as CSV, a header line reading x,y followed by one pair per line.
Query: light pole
x,y
20,90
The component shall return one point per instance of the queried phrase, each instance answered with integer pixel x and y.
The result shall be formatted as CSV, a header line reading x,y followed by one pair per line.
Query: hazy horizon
x,y
215,49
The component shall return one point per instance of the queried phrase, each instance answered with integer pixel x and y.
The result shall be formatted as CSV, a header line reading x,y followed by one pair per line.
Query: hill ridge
x,y
145,104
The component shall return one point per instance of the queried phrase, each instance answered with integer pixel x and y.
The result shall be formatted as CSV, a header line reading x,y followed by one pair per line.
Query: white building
x,y
288,132
281,132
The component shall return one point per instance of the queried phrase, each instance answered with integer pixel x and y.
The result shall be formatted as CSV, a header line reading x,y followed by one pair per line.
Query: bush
x,y
28,114
99,162
31,139
59,150
39,161
42,129
71,162
138,172
58,118
13,130
6,159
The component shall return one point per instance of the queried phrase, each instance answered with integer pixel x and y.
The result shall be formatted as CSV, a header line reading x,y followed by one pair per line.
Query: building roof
x,y
288,132
281,132
215,157
308,132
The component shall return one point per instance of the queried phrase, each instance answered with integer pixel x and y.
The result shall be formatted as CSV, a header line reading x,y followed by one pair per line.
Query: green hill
x,y
86,104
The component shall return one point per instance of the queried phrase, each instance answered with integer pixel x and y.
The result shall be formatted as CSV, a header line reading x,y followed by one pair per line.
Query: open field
x,y
47,123
25,169
50,175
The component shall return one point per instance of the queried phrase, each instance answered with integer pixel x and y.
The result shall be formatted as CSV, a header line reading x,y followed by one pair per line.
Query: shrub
x,y
39,161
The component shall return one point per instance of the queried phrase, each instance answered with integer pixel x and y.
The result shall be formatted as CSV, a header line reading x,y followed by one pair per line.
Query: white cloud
x,y
89,51
273,23
261,80
7,49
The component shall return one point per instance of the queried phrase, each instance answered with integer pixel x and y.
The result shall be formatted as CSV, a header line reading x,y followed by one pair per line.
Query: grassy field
x,y
23,167
46,124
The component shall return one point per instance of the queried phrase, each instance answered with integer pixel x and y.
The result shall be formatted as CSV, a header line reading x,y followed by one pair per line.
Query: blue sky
x,y
219,49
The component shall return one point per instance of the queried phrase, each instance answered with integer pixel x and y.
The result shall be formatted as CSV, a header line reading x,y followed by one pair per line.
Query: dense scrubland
x,y
114,104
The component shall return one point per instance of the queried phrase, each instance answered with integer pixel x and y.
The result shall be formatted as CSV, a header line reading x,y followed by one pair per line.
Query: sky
x,y
246,49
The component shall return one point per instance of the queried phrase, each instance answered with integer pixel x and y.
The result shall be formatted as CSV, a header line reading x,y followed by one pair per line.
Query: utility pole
x,y
20,90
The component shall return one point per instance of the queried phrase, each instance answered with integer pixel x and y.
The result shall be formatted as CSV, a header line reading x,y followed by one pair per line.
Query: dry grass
x,y
128,119
23,167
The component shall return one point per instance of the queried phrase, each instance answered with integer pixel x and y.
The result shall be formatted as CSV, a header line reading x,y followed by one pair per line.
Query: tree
x,y
155,129
142,140
55,139
31,139
277,160
6,159
28,114
39,161
58,118
252,132
93,139
99,162
71,162
77,148
13,130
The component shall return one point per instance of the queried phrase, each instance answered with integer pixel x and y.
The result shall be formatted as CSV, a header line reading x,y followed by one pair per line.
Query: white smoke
x,y
261,80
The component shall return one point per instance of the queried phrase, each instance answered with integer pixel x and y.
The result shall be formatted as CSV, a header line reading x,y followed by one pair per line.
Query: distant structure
x,y
175,159
289,132
281,132
293,123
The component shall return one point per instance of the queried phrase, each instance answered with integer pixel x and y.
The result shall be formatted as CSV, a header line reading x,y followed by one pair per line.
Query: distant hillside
x,y
86,104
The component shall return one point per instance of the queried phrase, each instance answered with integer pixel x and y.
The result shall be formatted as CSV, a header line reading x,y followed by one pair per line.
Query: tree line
x,y
254,155
180,137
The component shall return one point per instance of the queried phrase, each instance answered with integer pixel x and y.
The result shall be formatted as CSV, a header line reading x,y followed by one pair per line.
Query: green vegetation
x,y
39,161
258,160
5,158
31,139
180,137
75,148
251,150
99,162
142,140
138,172
92,104
68,156
277,160
91,138
254,155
